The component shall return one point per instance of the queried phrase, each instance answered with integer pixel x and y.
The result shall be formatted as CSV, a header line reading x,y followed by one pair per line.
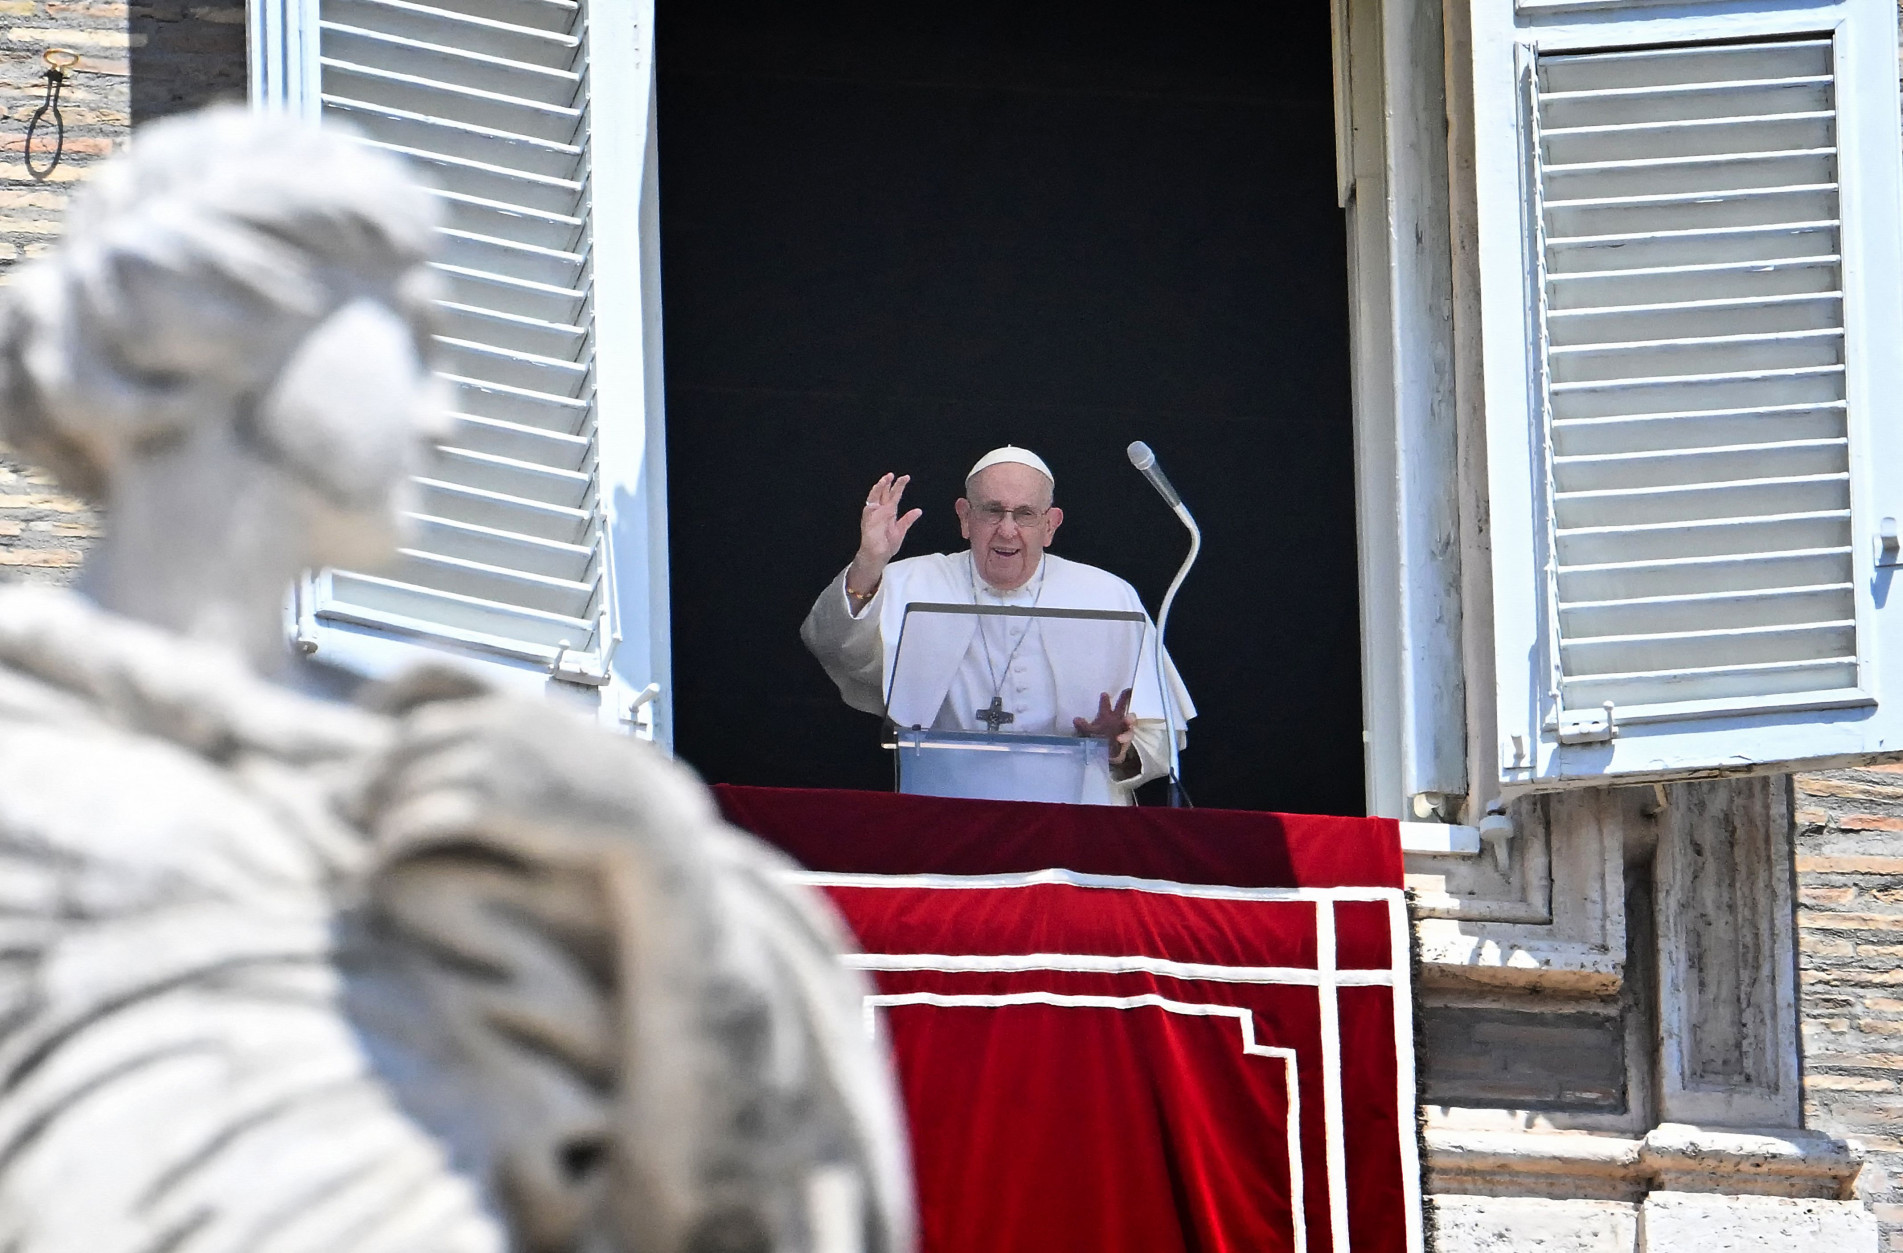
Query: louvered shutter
x,y
495,106
1689,225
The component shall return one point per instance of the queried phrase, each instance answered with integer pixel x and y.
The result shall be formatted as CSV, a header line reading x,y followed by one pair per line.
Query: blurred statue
x,y
434,970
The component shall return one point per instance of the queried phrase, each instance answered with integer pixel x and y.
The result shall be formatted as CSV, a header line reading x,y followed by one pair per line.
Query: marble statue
x,y
428,968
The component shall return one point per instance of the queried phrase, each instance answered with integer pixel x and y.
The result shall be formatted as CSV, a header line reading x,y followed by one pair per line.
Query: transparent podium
x,y
941,747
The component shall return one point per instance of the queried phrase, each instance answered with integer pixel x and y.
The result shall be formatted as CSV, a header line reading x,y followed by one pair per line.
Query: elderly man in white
x,y
1008,679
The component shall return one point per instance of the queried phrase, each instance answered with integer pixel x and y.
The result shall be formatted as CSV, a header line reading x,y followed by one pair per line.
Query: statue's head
x,y
242,281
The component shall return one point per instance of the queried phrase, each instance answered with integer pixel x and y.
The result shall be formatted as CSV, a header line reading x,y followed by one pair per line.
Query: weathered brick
x,y
50,558
1847,1083
74,37
1827,921
1836,785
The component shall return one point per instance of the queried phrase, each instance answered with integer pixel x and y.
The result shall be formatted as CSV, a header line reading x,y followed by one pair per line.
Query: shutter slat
x,y
1720,173
499,511
1813,641
539,228
502,548
1613,216
1652,615
416,132
1656,431
1684,689
1801,311
374,601
552,15
513,330
523,480
1703,355
1764,536
519,443
435,23
547,78
1690,501
1613,471
1652,284
372,85
519,589
565,414
1704,245
1688,100
1632,397
511,260
1736,572
494,363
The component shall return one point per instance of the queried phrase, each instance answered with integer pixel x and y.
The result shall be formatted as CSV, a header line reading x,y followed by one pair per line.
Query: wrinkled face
x,y
1007,515
353,414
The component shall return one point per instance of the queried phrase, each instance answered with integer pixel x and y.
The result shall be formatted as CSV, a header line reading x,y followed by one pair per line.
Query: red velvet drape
x,y
1099,1059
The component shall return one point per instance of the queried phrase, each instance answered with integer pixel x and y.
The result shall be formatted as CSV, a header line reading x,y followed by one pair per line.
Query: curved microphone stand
x,y
1145,461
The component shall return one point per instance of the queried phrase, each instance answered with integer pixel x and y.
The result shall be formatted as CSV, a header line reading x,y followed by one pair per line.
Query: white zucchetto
x,y
1020,456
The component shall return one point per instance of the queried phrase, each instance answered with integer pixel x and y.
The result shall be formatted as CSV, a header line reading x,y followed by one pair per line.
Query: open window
x,y
1689,279
538,547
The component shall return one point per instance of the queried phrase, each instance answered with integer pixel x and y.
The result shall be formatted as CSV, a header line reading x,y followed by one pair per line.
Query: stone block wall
x,y
136,62
1850,971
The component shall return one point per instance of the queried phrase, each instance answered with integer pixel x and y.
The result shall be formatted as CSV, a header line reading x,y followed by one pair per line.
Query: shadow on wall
x,y
185,57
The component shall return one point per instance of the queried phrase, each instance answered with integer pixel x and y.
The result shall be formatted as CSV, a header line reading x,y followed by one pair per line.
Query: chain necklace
x,y
995,715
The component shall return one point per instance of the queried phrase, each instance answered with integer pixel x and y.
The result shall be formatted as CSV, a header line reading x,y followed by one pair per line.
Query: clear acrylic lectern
x,y
942,748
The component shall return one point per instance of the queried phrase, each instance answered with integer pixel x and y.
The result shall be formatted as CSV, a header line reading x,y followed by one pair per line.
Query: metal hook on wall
x,y
58,61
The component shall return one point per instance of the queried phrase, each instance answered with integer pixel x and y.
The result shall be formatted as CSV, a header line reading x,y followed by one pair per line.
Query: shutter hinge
x,y
1597,727
589,669
641,712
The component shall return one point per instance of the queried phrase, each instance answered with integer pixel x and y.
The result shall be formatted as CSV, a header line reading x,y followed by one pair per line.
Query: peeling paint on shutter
x,y
488,101
1697,479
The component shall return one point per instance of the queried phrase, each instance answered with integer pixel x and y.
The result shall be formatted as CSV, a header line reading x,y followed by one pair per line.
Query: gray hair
x,y
191,268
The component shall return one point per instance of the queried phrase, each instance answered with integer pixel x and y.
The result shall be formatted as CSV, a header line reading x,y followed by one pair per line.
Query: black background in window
x,y
896,235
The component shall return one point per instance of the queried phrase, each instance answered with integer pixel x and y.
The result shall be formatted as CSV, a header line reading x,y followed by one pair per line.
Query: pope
x,y
1015,675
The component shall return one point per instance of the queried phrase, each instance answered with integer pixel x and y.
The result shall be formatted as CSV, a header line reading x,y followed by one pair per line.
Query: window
x,y
1689,285
537,550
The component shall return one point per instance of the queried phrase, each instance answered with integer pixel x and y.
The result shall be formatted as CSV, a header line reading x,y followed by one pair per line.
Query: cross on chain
x,y
996,716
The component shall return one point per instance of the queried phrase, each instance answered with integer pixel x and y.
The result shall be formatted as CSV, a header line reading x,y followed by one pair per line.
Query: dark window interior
x,y
894,236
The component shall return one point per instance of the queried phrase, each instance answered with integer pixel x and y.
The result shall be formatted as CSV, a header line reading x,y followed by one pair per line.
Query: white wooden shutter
x,y
494,105
1690,293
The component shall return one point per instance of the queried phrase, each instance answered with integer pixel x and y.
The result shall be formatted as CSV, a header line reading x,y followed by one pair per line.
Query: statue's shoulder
x,y
121,743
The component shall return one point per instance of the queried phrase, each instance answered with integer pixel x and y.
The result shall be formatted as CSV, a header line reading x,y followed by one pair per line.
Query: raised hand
x,y
881,531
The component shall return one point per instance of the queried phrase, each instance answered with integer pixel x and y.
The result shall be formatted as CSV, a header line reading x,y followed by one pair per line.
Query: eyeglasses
x,y
994,514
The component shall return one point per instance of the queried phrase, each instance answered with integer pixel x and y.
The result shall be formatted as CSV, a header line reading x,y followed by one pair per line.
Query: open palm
x,y
881,527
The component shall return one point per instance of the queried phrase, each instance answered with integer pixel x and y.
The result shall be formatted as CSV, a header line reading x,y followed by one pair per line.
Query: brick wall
x,y
137,62
1850,971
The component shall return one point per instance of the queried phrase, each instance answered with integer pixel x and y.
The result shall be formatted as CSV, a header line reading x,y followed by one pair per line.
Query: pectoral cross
x,y
995,717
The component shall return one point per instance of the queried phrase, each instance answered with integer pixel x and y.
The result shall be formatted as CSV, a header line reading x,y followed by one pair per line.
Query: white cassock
x,y
1021,662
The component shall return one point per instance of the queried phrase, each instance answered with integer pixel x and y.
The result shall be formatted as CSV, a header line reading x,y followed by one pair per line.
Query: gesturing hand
x,y
881,530
1113,722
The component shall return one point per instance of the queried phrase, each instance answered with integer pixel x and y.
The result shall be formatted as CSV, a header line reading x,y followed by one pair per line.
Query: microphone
x,y
1145,461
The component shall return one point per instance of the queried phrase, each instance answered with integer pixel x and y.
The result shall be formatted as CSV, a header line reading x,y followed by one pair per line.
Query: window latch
x,y
1597,727
1889,548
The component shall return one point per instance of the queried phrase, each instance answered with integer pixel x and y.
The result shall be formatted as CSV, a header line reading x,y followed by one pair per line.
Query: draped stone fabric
x,y
452,972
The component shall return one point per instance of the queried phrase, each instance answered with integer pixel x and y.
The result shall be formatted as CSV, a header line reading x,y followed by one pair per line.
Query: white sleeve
x,y
1151,745
849,645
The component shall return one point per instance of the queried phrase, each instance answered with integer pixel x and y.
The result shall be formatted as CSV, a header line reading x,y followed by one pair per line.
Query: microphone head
x,y
1140,455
